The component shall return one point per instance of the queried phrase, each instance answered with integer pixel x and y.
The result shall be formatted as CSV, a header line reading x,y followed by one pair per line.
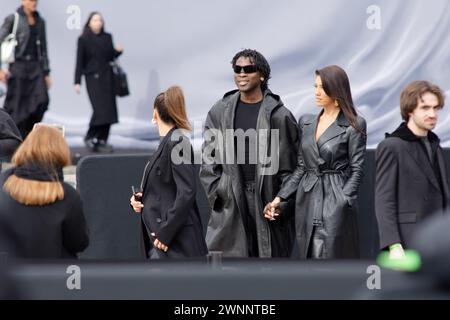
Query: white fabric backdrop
x,y
191,43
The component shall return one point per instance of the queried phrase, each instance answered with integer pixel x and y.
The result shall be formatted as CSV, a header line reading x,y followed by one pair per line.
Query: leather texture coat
x,y
326,183
224,183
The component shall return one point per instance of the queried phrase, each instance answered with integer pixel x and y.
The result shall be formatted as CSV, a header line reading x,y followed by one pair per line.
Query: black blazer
x,y
52,231
408,188
170,209
23,36
94,54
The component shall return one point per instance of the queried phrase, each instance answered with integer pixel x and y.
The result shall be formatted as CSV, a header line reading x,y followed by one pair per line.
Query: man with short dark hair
x,y
411,179
245,172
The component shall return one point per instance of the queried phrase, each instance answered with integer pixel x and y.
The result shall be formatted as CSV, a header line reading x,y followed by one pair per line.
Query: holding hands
x,y
271,211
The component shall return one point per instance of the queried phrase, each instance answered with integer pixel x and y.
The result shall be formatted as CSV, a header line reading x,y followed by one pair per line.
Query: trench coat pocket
x,y
345,199
407,217
221,193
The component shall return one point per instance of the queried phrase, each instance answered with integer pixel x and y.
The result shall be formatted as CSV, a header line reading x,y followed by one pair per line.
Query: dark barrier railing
x,y
196,280
104,183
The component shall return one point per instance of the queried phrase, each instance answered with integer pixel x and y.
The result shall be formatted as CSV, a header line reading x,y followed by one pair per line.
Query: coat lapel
x,y
443,173
309,130
338,127
423,163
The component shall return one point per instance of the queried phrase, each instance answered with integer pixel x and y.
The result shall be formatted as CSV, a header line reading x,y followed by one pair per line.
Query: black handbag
x,y
120,80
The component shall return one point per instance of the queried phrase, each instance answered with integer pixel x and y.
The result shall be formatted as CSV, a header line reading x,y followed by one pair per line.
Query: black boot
x,y
104,147
92,144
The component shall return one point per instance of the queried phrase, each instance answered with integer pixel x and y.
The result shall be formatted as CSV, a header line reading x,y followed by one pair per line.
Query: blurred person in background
x,y
28,77
95,52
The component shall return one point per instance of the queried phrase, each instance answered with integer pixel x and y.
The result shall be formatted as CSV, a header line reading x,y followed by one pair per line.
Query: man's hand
x,y
396,252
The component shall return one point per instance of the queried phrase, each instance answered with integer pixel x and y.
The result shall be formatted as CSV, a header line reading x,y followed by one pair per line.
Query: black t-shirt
x,y
246,117
31,49
427,144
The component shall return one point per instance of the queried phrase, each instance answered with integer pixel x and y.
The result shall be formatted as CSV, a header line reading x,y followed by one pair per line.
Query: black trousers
x,y
100,132
250,220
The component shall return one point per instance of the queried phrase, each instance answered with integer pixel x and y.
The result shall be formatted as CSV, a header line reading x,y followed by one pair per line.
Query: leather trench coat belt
x,y
318,173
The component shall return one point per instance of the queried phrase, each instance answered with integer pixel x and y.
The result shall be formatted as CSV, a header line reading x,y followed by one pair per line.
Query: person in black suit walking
x,y
411,178
170,217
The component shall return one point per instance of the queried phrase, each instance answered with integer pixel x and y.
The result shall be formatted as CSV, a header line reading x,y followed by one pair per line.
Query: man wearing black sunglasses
x,y
238,190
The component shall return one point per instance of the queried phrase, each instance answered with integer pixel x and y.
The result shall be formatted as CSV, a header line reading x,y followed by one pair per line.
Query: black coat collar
x,y
21,12
154,157
404,133
341,120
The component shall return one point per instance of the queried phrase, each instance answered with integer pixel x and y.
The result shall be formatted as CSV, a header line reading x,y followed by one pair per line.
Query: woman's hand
x,y
137,205
158,244
119,48
48,82
271,211
77,88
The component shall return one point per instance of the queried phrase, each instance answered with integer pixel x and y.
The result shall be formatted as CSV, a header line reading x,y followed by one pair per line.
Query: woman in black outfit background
x,y
95,53
28,78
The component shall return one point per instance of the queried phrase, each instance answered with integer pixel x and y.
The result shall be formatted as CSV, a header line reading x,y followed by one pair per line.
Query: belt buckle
x,y
317,222
318,172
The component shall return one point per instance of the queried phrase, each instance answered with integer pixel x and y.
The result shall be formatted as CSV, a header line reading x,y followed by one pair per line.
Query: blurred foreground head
x,y
432,241
38,164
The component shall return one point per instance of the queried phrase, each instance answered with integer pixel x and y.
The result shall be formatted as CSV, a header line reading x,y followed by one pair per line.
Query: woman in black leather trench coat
x,y
328,174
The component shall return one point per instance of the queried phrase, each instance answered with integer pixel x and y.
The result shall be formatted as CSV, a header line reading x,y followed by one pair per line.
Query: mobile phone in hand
x,y
137,196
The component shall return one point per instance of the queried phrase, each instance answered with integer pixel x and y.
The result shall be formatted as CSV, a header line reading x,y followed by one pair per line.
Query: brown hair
x,y
46,147
171,108
336,85
414,91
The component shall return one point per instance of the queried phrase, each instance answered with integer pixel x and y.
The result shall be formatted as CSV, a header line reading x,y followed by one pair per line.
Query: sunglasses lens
x,y
246,69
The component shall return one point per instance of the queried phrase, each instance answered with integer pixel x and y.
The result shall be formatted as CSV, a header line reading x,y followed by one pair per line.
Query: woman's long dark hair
x,y
336,85
87,29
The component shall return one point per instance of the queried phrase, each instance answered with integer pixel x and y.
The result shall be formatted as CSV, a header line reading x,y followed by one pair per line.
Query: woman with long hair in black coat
x,y
329,172
171,224
95,53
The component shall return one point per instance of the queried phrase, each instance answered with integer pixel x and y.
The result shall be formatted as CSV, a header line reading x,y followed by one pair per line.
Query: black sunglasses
x,y
247,69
